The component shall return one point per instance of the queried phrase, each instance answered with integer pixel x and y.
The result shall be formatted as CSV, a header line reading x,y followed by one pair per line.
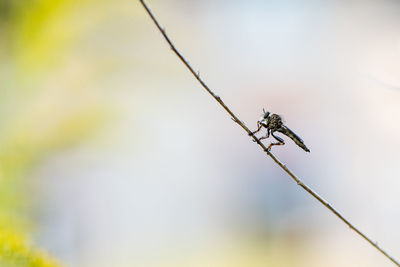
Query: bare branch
x,y
241,124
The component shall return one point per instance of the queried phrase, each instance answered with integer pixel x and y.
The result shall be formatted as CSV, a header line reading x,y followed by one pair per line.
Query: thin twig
x,y
241,124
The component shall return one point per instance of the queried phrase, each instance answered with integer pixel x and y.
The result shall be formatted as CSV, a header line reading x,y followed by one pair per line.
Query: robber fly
x,y
273,123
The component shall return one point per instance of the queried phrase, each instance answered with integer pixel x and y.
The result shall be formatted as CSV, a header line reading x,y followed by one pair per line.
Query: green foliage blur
x,y
45,105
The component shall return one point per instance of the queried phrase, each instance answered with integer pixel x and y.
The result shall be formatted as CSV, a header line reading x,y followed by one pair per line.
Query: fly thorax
x,y
275,121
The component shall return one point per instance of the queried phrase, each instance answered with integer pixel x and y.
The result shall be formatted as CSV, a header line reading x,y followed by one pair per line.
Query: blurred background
x,y
111,154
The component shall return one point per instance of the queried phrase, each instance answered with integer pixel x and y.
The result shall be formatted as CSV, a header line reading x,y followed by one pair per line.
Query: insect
x,y
273,123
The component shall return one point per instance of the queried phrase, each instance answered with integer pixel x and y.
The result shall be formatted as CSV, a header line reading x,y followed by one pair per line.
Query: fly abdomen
x,y
289,133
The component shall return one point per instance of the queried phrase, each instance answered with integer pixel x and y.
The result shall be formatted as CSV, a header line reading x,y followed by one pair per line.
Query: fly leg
x,y
259,126
266,136
279,143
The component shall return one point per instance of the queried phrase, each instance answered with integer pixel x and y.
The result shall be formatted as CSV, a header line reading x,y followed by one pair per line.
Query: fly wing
x,y
289,133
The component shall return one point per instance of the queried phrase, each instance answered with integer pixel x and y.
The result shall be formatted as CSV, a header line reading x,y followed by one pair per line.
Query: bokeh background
x,y
111,154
